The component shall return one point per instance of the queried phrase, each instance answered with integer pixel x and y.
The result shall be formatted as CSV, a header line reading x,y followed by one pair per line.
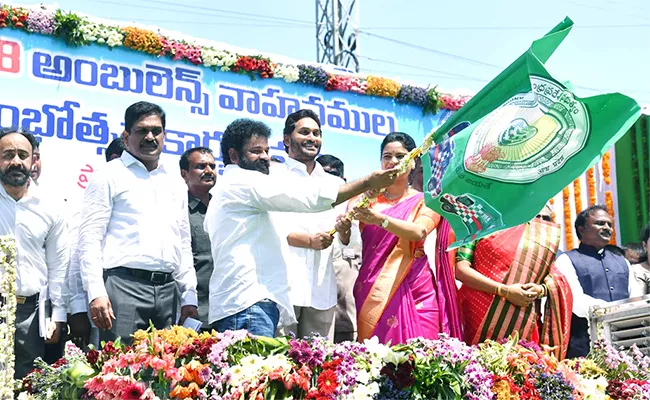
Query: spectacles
x,y
546,218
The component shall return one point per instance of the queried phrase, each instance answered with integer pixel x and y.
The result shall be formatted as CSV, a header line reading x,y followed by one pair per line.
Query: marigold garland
x,y
591,185
609,202
568,232
607,169
142,40
577,195
382,87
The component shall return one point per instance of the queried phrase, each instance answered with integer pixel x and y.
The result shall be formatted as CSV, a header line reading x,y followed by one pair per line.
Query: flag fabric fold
x,y
517,143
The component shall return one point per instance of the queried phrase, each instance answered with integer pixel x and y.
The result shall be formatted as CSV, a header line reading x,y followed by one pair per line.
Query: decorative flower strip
x,y
609,202
7,315
577,195
78,30
607,169
181,364
591,186
568,232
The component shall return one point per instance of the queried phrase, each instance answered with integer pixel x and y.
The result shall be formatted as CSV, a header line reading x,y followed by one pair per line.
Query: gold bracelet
x,y
499,287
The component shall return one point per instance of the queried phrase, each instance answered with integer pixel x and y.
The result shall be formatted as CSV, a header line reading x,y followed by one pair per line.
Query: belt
x,y
33,299
155,277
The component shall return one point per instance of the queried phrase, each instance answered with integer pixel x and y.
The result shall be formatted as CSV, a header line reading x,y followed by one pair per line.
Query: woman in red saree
x,y
397,295
505,275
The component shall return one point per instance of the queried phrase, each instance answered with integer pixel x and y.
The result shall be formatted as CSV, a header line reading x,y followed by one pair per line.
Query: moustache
x,y
208,177
147,145
16,169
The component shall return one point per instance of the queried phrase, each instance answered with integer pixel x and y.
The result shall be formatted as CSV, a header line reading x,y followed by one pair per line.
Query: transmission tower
x,y
337,28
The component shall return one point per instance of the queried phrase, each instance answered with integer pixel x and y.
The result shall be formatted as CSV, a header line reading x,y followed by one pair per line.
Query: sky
x,y
458,45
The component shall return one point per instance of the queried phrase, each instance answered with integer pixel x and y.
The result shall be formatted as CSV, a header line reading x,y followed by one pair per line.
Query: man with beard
x,y
198,169
134,238
308,248
595,274
249,285
38,227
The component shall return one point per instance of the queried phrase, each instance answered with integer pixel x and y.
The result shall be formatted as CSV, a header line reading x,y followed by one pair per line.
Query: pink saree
x,y
396,293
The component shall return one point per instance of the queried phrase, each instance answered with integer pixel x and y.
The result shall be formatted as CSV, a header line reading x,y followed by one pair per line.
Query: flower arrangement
x,y
178,363
607,169
181,50
142,40
609,203
101,34
7,314
252,65
382,87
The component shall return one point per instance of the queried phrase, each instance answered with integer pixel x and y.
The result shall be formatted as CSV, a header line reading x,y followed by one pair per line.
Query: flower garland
x,y
7,315
568,232
591,185
77,30
609,202
577,195
607,169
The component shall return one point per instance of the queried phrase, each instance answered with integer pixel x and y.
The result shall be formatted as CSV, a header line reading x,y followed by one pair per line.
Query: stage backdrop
x,y
74,99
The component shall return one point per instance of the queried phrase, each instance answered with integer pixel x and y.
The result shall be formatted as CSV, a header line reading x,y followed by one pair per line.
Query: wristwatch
x,y
384,223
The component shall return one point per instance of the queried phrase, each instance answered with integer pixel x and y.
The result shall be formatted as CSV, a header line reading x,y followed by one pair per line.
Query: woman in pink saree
x,y
397,295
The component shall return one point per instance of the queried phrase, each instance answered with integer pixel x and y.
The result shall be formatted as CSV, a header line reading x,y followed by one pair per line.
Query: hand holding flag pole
x,y
366,198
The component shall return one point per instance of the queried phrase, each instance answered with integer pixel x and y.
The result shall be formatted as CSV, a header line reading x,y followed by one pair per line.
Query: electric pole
x,y
337,28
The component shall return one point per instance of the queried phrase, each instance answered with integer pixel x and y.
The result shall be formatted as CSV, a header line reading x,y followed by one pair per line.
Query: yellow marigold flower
x,y
142,40
383,87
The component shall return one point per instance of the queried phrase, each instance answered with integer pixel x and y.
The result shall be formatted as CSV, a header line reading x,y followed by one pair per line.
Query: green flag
x,y
522,139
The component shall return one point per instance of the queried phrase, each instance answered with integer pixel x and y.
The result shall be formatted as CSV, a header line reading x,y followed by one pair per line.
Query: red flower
x,y
332,364
327,382
133,391
92,356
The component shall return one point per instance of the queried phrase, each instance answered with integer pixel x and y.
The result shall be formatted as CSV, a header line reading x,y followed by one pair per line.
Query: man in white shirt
x,y
36,223
134,236
308,248
595,274
249,285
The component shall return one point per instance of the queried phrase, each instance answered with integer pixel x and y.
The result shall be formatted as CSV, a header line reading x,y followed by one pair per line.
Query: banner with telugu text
x,y
73,99
517,143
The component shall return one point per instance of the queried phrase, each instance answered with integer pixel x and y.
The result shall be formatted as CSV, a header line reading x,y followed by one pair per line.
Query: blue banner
x,y
74,99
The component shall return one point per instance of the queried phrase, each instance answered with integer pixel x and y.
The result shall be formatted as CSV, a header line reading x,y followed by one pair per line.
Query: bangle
x,y
507,292
499,287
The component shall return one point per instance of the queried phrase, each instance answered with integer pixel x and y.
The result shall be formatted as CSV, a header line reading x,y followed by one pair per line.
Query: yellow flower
x,y
383,87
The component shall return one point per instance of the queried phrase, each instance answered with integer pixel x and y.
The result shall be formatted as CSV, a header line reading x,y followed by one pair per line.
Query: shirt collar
x,y
30,192
297,165
128,160
591,250
194,202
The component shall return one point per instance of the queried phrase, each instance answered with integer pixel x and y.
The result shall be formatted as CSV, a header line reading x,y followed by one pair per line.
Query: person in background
x,y
505,276
135,246
640,269
635,253
199,170
308,248
36,223
596,274
397,295
249,285
346,261
36,167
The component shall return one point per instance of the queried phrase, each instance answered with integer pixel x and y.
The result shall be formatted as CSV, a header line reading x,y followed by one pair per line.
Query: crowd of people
x,y
253,249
